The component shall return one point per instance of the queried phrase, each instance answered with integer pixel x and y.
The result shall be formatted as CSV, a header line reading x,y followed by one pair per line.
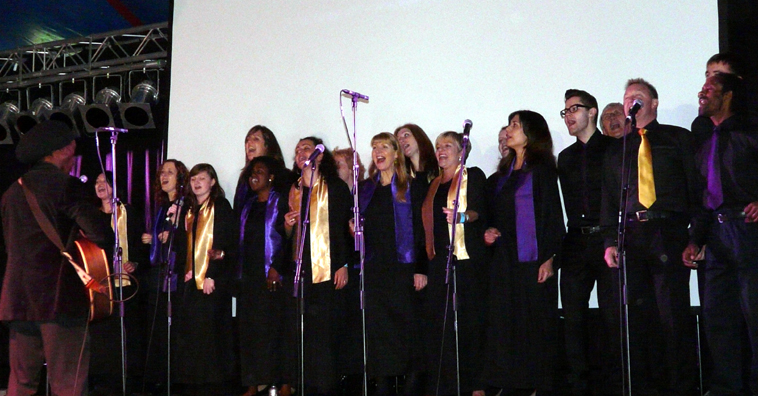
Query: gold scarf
x,y
321,261
459,246
123,243
203,241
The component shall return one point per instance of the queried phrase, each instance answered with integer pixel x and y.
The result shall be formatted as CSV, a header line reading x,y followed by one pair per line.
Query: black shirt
x,y
738,160
678,187
580,169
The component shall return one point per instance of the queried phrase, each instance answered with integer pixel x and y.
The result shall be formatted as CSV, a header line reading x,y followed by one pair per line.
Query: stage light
x,y
102,113
28,119
8,111
138,113
68,112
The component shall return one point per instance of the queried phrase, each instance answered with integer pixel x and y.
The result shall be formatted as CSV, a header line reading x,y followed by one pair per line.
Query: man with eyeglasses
x,y
580,168
663,195
612,120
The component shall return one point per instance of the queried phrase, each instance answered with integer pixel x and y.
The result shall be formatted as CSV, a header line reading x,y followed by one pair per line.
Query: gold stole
x,y
459,245
203,241
321,259
123,242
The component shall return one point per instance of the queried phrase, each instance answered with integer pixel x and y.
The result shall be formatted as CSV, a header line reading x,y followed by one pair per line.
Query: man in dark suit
x,y
43,302
663,195
728,161
580,169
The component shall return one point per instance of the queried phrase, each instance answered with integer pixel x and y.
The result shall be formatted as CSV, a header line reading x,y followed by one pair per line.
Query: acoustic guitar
x,y
94,264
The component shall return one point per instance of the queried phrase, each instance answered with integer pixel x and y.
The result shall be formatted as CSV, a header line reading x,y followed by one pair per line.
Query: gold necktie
x,y
645,181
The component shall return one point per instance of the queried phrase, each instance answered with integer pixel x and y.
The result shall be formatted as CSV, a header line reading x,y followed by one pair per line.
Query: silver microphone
x,y
316,152
83,178
636,106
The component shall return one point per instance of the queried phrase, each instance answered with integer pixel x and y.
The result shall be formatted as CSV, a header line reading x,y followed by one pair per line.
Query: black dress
x,y
472,291
523,314
393,337
156,342
322,317
105,335
261,312
204,351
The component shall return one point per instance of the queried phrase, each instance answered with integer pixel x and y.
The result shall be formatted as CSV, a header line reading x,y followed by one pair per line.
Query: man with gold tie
x,y
662,196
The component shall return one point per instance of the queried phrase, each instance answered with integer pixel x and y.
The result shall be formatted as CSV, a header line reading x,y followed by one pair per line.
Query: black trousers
x,y
658,295
730,305
582,265
60,343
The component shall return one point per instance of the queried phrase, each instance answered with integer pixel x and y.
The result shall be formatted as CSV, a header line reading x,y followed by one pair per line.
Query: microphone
x,y
635,108
354,94
111,129
467,127
83,178
316,152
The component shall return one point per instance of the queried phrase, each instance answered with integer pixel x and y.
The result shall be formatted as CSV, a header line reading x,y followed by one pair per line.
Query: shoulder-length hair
x,y
160,196
216,190
327,168
539,143
426,159
272,146
401,172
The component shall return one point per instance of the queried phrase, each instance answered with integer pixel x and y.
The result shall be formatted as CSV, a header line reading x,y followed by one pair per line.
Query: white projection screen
x,y
238,63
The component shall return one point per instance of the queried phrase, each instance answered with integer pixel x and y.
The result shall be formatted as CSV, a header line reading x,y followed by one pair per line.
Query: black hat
x,y
42,140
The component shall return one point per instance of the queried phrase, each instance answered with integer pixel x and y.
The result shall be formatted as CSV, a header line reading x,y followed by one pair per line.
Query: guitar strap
x,y
48,229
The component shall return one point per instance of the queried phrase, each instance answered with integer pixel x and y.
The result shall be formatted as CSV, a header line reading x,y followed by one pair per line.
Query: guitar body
x,y
95,263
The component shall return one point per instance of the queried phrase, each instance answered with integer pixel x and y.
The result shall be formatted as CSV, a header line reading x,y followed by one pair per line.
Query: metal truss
x,y
139,48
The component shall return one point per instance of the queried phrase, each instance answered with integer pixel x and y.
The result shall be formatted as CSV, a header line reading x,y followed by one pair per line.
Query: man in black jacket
x,y
580,168
663,195
43,301
728,223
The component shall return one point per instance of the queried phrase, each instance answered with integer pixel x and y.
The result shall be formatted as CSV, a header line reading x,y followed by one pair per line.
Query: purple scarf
x,y
273,239
526,227
406,254
156,249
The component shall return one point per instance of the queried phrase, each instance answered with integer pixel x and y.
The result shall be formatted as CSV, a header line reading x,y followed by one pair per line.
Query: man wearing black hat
x,y
43,302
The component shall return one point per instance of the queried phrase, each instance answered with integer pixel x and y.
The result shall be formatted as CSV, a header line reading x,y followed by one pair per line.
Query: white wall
x,y
237,63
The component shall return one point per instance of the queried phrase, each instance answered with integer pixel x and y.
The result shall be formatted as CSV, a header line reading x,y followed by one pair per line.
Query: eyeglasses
x,y
572,109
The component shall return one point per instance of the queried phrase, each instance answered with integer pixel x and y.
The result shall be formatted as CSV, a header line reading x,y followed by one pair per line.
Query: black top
x,y
677,184
701,128
39,284
738,160
255,240
580,169
379,226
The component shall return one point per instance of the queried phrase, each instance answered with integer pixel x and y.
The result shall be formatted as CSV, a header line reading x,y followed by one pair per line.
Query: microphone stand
x,y
360,245
169,263
299,288
117,252
626,382
450,270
